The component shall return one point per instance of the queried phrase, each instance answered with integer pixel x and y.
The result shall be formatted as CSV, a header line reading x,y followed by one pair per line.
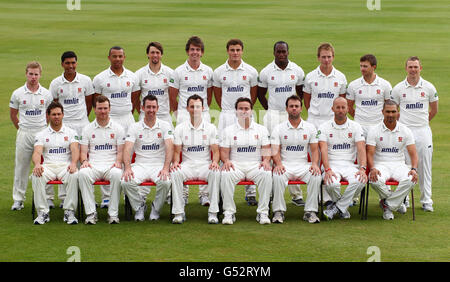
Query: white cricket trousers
x,y
249,171
55,171
24,150
195,171
397,171
347,171
86,178
296,171
271,119
144,172
424,145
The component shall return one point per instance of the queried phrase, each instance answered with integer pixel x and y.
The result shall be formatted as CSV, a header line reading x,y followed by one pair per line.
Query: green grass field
x,y
42,30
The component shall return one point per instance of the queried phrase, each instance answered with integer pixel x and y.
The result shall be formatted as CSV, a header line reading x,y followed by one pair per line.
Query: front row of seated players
x,y
245,150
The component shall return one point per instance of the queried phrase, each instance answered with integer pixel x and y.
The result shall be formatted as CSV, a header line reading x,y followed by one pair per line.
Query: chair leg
x,y
32,207
127,208
412,203
171,204
321,201
362,202
366,201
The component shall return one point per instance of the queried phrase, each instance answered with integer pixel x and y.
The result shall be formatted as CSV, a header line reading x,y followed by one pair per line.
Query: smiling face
x,y
116,58
294,109
413,68
366,68
194,53
102,111
154,55
55,117
235,53
340,110
390,113
281,54
243,110
33,75
150,109
69,65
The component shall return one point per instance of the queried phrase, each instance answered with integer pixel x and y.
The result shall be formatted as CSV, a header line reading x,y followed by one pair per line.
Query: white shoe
x,y
178,219
50,203
154,214
228,219
91,218
402,209
387,213
17,206
263,218
204,201
69,217
278,217
212,218
140,213
345,215
428,207
42,218
330,213
311,217
113,220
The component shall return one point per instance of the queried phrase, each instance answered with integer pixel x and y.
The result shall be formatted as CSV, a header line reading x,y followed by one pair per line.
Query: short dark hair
x,y
413,58
293,97
100,99
54,105
196,41
389,102
68,54
235,42
369,58
155,44
115,48
149,97
243,99
280,42
194,97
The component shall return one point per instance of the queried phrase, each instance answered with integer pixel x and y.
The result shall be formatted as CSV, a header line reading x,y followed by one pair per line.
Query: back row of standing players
x,y
281,78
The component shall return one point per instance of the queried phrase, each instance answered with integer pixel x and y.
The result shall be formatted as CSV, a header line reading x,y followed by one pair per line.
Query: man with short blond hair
x,y
27,108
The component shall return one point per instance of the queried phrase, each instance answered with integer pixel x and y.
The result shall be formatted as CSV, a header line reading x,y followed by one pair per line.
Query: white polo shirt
x,y
414,101
189,82
294,141
235,83
32,106
117,89
56,144
369,99
341,139
390,145
245,144
324,90
280,83
196,141
71,94
156,84
102,142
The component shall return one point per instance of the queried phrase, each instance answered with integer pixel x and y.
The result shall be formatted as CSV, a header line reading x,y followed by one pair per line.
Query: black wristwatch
x,y
413,168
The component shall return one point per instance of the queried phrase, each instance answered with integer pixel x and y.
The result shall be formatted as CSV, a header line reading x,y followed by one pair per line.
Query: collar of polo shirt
x,y
124,72
188,67
98,125
419,84
152,73
341,126
300,125
375,82
156,125
252,125
320,73
39,91
288,66
240,67
200,127
76,79
62,130
384,128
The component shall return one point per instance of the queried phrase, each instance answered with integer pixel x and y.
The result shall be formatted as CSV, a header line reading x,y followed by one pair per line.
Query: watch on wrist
x,y
413,168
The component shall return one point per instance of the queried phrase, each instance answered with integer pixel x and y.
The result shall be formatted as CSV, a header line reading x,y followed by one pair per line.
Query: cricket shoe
x,y
140,213
278,217
229,219
17,206
42,218
69,217
311,217
263,218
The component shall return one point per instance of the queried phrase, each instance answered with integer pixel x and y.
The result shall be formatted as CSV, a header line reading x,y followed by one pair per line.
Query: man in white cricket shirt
x,y
196,139
281,78
290,140
232,80
366,95
27,108
102,140
418,101
74,91
152,140
58,144
121,87
245,153
192,77
386,146
153,79
341,141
